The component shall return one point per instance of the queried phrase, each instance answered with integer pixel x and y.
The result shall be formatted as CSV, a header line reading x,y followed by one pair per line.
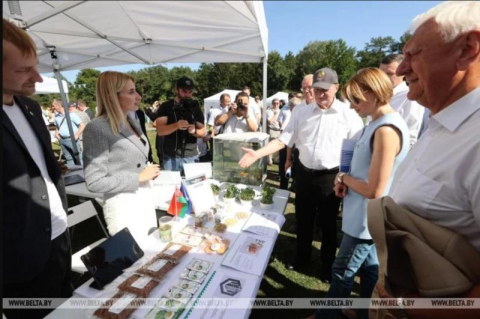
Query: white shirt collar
x,y
456,113
336,107
400,88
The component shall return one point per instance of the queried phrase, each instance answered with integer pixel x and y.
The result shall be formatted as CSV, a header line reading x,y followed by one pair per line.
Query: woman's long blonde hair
x,y
109,84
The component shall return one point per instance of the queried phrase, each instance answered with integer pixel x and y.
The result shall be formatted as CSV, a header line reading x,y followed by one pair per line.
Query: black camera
x,y
185,110
240,105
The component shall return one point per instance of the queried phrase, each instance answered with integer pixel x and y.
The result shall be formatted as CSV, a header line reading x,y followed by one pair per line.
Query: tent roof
x,y
216,97
90,34
49,85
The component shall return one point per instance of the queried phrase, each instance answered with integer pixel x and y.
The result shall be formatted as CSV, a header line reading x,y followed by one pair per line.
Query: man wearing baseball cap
x,y
317,130
181,122
73,108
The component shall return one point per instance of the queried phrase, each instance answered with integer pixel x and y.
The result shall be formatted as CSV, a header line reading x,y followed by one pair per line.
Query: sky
x,y
293,24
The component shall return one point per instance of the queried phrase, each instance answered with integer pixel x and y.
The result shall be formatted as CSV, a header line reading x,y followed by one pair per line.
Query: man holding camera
x,y
181,122
239,118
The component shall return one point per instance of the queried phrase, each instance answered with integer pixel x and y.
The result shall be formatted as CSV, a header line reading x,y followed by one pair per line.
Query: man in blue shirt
x,y
63,135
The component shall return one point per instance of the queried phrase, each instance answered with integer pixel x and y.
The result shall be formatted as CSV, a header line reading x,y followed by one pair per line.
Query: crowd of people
x,y
420,148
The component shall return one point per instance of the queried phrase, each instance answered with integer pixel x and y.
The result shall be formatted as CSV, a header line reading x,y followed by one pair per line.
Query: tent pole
x,y
264,108
63,96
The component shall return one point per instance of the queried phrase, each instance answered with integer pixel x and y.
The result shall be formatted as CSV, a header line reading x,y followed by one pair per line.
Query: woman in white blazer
x,y
116,157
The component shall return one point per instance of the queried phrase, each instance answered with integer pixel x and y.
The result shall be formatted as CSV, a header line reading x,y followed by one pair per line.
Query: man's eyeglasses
x,y
306,88
320,91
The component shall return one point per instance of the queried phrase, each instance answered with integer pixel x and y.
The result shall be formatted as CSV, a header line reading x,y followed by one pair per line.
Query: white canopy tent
x,y
72,35
214,100
50,85
278,95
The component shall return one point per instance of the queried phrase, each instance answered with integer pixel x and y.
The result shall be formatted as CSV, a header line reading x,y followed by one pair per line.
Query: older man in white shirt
x,y
411,111
440,178
318,130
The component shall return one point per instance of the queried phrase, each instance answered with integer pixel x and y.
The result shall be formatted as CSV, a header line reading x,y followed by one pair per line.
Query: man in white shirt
x,y
283,120
411,111
273,127
225,102
36,252
253,106
317,129
440,178
292,152
258,101
62,133
212,115
239,118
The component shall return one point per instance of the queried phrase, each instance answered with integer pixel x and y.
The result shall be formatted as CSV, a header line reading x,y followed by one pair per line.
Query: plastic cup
x,y
165,228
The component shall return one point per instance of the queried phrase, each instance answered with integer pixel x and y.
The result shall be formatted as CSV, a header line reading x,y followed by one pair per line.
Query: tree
x,y
212,78
375,51
45,100
277,75
248,74
403,40
337,56
84,87
308,60
290,64
334,54
152,83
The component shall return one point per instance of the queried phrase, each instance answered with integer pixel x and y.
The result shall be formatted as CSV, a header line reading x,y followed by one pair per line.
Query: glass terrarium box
x,y
227,151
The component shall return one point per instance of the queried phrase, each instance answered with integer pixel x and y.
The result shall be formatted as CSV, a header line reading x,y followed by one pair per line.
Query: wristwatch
x,y
340,177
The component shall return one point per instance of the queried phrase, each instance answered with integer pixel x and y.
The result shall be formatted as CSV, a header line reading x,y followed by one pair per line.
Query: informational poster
x,y
200,193
226,295
264,224
249,254
348,146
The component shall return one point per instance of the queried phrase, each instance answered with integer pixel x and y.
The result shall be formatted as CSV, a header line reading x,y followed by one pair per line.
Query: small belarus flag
x,y
179,205
185,194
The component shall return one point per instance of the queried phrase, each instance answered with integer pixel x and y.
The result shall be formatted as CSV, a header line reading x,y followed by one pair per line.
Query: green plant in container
x,y
231,192
267,195
215,189
247,194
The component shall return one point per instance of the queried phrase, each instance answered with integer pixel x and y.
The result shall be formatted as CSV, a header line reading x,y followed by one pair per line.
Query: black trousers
x,y
315,195
281,168
295,160
52,282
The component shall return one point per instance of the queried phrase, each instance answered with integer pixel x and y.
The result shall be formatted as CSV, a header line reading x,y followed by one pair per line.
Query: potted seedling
x,y
230,193
246,196
266,202
215,191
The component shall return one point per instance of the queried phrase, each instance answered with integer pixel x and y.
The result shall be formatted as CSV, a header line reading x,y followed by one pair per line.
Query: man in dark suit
x,y
36,244
140,115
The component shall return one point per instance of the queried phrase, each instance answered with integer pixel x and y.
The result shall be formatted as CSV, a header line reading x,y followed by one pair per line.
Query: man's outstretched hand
x,y
249,158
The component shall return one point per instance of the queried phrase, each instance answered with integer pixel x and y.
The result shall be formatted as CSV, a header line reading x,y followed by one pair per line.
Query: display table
x,y
248,282
163,193
80,189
